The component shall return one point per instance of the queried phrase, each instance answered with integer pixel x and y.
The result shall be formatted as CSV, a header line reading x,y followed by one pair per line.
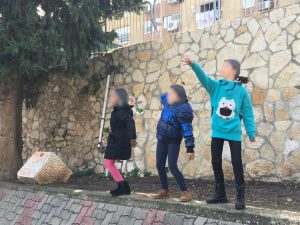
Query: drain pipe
x,y
102,120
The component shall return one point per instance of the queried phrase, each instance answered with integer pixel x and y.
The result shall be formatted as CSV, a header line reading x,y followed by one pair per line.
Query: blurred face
x,y
115,99
172,97
227,71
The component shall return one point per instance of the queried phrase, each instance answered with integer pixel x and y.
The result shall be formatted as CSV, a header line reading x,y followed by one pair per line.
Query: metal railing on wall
x,y
158,19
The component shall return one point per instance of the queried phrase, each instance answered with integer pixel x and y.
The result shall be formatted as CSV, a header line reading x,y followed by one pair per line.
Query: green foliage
x,y
84,173
42,36
134,173
147,174
92,87
103,177
106,130
20,41
116,8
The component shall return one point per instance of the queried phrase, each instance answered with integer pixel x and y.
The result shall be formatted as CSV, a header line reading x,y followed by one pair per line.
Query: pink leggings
x,y
109,164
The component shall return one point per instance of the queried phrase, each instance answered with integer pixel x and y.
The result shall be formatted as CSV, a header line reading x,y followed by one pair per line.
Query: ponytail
x,y
237,67
243,80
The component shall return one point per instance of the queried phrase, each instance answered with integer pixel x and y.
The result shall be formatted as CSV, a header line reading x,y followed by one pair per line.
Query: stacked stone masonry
x,y
268,47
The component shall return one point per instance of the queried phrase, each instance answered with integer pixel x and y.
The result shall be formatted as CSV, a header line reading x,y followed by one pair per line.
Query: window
x,y
123,34
209,6
150,27
248,4
265,5
209,13
172,22
261,4
172,1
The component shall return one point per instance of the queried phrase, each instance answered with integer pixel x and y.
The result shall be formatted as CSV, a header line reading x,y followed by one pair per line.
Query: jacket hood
x,y
231,87
184,111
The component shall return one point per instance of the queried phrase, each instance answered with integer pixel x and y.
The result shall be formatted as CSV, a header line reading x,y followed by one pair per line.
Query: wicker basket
x,y
44,168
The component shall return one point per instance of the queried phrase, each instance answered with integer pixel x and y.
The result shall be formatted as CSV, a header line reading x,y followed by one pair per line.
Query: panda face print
x,y
226,109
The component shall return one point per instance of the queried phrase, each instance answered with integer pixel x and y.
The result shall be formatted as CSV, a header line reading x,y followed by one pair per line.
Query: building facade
x,y
160,18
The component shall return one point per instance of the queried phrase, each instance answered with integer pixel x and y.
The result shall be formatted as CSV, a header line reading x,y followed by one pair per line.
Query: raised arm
x,y
163,99
208,83
248,116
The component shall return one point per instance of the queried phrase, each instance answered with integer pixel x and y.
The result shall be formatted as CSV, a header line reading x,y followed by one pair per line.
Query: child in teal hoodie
x,y
230,103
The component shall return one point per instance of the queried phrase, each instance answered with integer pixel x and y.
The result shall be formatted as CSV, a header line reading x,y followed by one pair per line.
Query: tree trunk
x,y
11,98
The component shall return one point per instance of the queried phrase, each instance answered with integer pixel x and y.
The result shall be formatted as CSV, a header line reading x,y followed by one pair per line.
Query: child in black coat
x,y
121,139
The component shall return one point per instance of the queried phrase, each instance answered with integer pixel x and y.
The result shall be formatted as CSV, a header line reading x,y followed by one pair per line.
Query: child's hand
x,y
133,142
186,60
252,140
191,156
132,101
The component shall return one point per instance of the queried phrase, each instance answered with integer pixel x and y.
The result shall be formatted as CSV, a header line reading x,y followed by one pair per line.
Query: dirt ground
x,y
284,196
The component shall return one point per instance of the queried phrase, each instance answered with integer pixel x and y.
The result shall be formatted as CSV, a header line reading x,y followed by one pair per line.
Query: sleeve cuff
x,y
193,65
251,135
132,136
190,150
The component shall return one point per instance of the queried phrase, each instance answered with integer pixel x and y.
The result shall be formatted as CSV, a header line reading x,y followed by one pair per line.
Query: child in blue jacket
x,y
230,103
174,124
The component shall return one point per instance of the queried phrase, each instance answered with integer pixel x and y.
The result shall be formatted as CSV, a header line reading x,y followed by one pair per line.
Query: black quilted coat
x,y
122,131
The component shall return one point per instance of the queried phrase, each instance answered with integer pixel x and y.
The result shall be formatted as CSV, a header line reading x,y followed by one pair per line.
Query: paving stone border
x,y
28,208
31,204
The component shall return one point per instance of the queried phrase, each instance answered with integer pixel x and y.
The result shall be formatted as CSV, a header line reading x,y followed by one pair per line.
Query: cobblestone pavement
x,y
28,208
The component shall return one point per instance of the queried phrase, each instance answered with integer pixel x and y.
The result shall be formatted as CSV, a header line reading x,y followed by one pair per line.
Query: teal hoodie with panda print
x,y
230,103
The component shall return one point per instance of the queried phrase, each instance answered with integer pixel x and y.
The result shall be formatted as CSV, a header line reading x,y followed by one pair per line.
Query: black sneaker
x,y
124,189
112,191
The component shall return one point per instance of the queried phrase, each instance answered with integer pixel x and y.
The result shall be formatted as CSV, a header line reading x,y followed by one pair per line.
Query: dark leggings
x,y
170,150
236,159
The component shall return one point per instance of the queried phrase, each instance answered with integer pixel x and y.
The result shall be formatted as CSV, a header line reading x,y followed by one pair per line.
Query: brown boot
x,y
163,193
186,196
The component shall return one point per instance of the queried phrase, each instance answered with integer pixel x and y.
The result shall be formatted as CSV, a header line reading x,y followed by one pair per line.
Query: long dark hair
x,y
237,67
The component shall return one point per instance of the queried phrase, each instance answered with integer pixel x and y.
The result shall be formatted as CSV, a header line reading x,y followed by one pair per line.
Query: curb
x,y
224,212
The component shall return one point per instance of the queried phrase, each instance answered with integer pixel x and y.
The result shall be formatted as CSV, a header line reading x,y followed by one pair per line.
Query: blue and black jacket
x,y
176,122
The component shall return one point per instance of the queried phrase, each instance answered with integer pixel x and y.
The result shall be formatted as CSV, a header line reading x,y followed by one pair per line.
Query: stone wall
x,y
267,45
